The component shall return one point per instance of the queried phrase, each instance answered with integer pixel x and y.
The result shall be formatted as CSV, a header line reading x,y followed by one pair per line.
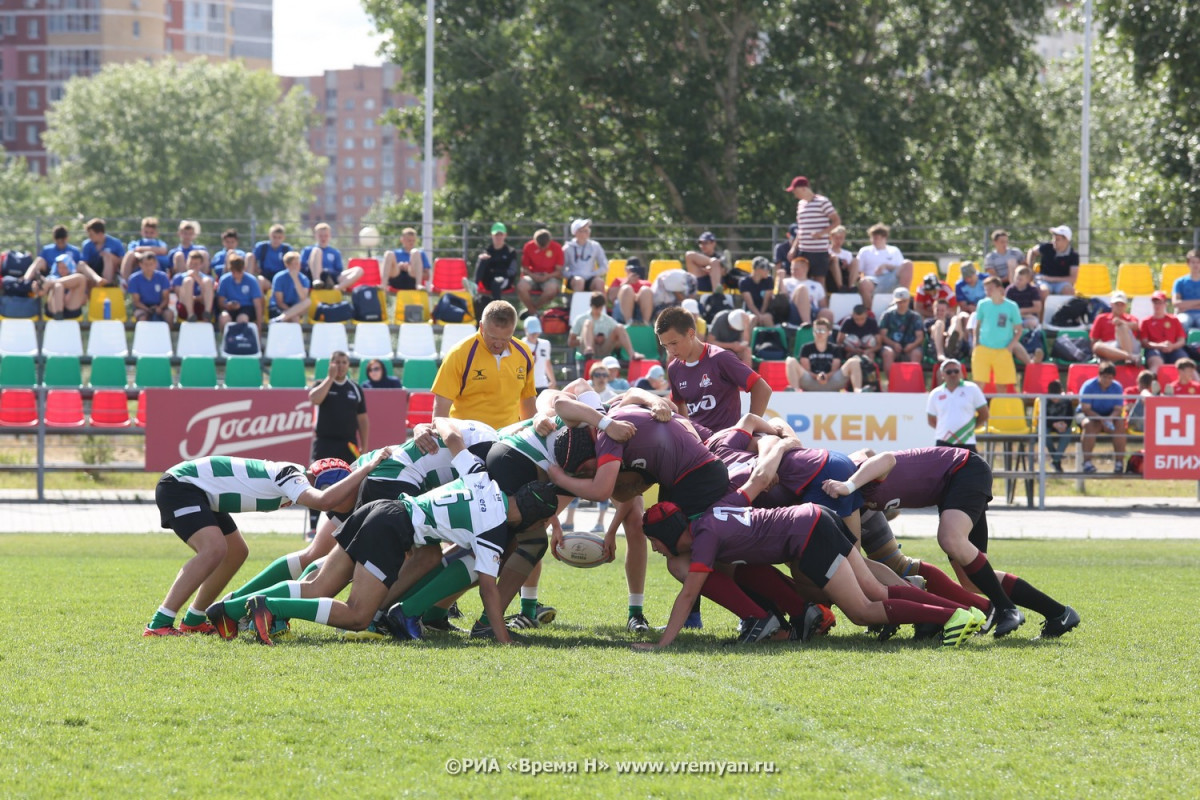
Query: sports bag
x,y
1072,313
555,321
240,339
366,304
450,308
334,312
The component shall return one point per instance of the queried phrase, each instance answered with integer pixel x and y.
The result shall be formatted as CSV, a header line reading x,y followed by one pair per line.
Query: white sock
x,y
529,592
324,606
168,611
293,562
294,589
194,610
637,599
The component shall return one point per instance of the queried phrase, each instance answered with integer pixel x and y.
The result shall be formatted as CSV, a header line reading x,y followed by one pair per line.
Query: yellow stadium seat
x,y
920,270
1135,280
660,265
1006,415
1170,274
954,273
96,303
319,296
1093,280
616,269
746,264
411,297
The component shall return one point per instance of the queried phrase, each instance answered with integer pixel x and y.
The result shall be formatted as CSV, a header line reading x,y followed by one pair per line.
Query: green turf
x,y
89,708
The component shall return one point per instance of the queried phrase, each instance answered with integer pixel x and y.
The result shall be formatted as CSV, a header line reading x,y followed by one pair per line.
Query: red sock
x,y
918,596
772,584
941,584
900,612
721,589
1008,582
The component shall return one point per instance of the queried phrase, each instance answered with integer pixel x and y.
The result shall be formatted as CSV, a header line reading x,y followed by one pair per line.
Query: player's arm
x,y
574,412
346,489
491,606
874,468
448,431
600,487
659,406
679,612
770,453
760,395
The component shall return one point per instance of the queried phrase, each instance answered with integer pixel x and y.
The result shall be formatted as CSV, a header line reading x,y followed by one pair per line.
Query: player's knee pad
x,y
531,545
895,560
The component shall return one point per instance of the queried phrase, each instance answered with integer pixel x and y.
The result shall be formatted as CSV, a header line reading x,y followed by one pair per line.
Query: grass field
x,y
90,709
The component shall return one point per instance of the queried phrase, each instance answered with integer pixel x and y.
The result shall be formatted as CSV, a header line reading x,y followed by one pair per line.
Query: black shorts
x,y
970,491
373,489
818,264
944,443
828,545
324,447
184,508
699,489
378,536
511,469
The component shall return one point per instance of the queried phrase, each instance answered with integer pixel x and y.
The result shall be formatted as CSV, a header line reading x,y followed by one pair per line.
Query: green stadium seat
x,y
419,373
321,370
362,368
243,372
288,373
756,334
63,372
803,336
153,372
198,372
108,372
643,339
1194,336
18,371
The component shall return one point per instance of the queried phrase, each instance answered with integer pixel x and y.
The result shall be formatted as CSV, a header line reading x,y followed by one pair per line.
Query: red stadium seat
x,y
18,408
1038,377
448,274
1079,374
587,368
1167,373
420,408
905,376
371,275
64,409
639,367
140,419
1127,374
110,409
775,374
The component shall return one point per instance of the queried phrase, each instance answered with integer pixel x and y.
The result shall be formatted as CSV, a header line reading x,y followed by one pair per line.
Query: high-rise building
x,y
44,43
368,159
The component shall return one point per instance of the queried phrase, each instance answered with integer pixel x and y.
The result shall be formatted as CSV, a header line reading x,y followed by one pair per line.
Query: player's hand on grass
x,y
645,646
835,488
620,431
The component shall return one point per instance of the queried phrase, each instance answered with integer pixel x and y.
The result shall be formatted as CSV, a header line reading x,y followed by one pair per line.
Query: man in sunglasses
x,y
956,408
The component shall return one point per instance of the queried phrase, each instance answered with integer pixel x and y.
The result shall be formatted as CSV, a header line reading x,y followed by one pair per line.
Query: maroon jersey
x,y
666,451
710,386
918,480
732,533
796,470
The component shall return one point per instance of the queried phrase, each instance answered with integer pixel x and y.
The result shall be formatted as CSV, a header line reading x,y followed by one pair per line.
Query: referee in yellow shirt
x,y
489,377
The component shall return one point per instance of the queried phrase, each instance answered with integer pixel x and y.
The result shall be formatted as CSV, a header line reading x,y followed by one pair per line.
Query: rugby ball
x,y
583,550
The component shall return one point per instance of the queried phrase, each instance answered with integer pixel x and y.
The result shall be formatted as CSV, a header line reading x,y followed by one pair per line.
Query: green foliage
x,y
23,197
196,140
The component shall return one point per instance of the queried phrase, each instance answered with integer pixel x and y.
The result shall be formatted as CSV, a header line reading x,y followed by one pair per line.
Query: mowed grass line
x,y
89,708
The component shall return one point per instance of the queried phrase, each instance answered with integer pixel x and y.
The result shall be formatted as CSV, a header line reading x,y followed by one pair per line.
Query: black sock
x,y
696,606
984,577
313,517
1025,595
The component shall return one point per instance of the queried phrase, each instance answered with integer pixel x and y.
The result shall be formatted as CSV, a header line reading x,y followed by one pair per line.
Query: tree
x,y
22,200
197,140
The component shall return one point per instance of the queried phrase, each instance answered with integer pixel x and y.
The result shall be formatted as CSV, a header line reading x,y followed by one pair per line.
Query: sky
x,y
312,36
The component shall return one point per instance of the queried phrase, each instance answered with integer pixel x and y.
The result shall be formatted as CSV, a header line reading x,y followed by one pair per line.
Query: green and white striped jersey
x,y
471,512
427,471
243,484
522,437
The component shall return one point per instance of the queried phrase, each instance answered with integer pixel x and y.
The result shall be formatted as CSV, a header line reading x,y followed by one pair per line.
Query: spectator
x,y
408,267
238,294
50,253
821,366
1162,335
902,331
956,408
584,259
1060,415
783,259
66,286
323,262
615,381
730,330
1027,296
542,263
757,290
102,252
179,256
969,290
806,297
378,378
497,267
598,374
1135,405
1003,261
289,291
543,370
1187,384
150,291
266,260
816,217
932,289
670,288
705,265
1060,263
844,263
148,243
655,380
229,248
632,297
342,427
597,333
997,332
1100,412
692,307
191,284
946,333
1114,333
860,336
882,266
1185,294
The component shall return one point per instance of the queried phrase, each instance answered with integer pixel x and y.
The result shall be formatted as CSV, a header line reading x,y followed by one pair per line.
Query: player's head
x,y
664,524
534,503
326,472
575,450
676,330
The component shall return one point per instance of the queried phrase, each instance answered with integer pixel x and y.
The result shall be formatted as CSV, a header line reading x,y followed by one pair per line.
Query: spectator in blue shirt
x,y
229,247
407,267
289,291
101,252
1100,404
181,254
969,291
322,262
41,265
194,289
1185,294
150,290
66,287
239,295
266,260
148,243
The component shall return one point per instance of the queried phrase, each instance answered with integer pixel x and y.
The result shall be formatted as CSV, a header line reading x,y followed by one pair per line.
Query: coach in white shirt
x,y
956,408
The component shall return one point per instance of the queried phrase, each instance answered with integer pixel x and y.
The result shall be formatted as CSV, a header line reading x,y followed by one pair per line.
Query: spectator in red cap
x,y
1162,335
816,218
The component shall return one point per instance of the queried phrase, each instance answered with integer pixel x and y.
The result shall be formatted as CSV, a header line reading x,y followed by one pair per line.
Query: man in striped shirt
x,y
816,217
196,499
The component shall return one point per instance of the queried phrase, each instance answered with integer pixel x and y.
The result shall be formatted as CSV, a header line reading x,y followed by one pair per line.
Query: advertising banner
x,y
1171,425
845,421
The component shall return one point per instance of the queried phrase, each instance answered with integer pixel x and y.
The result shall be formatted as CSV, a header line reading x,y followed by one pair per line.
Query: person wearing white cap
x,y
615,381
730,330
655,380
1114,333
955,408
1060,263
586,263
543,370
902,330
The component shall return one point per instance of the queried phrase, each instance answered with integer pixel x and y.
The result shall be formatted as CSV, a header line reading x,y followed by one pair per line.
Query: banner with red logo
x,y
275,424
1171,425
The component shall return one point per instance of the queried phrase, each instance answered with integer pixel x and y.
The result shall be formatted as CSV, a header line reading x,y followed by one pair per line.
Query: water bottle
x,y
108,308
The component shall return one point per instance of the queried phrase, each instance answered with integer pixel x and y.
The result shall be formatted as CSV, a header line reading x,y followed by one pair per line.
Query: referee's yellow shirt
x,y
483,387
